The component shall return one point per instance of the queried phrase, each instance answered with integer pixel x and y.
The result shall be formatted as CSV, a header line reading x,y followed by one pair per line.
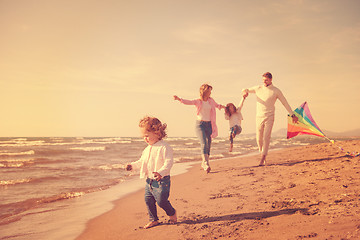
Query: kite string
x,y
353,154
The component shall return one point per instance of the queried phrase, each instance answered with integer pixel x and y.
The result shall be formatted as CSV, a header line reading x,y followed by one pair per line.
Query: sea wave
x,y
184,149
11,165
15,163
110,167
89,149
7,153
219,140
21,143
124,141
187,159
17,160
113,140
13,182
10,182
10,212
182,139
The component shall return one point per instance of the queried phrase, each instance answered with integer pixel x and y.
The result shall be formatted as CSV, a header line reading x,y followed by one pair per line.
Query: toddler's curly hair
x,y
154,125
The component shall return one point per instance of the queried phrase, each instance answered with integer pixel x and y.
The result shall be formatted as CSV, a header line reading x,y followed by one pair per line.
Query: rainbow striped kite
x,y
305,125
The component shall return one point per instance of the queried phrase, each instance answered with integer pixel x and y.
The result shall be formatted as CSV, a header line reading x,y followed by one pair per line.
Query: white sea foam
x,y
73,194
17,160
187,159
60,142
7,153
13,182
12,165
21,143
183,149
182,138
138,140
112,140
20,139
89,149
15,163
110,167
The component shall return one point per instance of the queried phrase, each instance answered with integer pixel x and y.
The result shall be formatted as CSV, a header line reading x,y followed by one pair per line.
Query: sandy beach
x,y
310,192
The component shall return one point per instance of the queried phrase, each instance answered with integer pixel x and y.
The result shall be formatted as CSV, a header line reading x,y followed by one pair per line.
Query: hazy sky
x,y
95,67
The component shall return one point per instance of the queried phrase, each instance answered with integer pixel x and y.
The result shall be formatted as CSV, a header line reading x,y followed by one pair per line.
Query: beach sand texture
x,y
310,192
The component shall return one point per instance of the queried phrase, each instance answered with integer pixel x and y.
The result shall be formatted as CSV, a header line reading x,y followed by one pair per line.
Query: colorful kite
x,y
307,125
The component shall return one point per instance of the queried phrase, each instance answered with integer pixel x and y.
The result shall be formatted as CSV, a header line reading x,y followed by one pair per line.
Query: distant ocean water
x,y
42,177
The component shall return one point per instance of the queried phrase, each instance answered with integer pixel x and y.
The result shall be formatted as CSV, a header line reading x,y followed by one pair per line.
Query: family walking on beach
x,y
157,158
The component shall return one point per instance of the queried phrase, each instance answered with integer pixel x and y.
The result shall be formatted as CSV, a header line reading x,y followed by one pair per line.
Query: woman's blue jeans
x,y
158,192
204,131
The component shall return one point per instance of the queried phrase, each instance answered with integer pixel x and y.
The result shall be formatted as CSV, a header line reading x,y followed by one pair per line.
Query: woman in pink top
x,y
206,121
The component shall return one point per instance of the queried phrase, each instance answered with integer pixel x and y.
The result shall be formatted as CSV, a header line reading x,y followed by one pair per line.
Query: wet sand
x,y
310,192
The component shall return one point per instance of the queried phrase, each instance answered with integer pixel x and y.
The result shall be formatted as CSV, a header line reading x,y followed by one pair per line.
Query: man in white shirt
x,y
266,96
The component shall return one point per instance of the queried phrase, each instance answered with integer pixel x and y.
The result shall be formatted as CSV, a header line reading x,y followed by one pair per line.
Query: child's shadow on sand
x,y
244,216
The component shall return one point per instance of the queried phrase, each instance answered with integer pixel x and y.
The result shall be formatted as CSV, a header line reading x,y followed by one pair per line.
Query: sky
x,y
94,68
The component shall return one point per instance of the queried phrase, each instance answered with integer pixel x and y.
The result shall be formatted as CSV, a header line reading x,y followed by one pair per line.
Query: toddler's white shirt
x,y
155,158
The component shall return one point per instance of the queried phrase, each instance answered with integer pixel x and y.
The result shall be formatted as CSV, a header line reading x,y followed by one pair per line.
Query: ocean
x,y
50,187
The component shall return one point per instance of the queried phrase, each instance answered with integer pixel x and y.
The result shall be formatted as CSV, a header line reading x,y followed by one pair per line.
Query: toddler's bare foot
x,y
151,224
173,219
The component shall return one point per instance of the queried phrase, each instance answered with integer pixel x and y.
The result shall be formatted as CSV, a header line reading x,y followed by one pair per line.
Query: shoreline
x,y
238,199
79,210
129,187
45,220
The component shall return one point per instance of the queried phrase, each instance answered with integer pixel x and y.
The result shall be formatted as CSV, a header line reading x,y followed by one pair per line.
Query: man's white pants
x,y
264,127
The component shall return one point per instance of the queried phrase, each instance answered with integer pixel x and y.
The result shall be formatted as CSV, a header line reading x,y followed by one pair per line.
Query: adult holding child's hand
x,y
266,94
206,128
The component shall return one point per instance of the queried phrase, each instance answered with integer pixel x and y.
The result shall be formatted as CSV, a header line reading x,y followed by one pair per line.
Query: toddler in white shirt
x,y
155,164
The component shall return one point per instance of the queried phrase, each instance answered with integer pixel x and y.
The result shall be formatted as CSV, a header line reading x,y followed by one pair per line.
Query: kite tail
x,y
353,154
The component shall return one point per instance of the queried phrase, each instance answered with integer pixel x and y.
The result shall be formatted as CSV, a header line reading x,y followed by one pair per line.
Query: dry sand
x,y
310,192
